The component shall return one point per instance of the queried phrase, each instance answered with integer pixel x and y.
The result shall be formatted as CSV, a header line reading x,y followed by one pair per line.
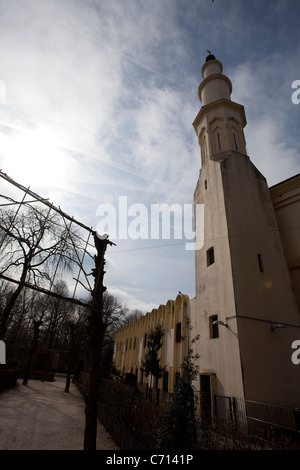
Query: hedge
x,y
138,417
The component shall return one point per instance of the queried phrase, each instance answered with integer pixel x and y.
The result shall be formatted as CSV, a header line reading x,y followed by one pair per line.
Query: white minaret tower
x,y
242,277
220,122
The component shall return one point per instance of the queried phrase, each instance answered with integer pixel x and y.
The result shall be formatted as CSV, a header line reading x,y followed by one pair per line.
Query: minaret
x,y
241,272
220,122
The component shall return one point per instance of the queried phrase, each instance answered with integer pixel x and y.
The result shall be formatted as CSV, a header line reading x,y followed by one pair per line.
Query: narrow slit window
x,y
260,262
210,254
205,151
235,142
178,332
219,141
204,146
205,184
166,381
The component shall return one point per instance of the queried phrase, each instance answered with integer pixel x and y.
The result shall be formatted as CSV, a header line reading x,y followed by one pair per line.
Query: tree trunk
x,y
11,303
70,358
91,409
7,310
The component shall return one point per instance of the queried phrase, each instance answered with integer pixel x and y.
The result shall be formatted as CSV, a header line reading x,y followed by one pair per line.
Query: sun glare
x,y
34,158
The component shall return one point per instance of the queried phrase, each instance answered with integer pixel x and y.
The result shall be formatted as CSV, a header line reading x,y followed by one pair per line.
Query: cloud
x,y
270,153
100,100
266,97
59,80
129,298
160,142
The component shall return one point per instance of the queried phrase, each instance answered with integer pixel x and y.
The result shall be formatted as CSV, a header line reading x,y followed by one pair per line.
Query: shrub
x,y
177,430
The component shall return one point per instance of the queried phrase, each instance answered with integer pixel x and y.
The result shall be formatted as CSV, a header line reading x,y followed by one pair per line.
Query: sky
x,y
97,101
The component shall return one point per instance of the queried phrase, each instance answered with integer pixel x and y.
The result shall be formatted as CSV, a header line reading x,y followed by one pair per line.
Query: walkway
x,y
42,416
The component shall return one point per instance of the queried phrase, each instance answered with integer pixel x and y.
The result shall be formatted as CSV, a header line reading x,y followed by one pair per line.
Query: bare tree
x,y
114,312
35,242
57,313
26,309
32,243
132,316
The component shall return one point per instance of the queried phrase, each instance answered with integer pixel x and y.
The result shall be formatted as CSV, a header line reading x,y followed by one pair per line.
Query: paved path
x,y
42,416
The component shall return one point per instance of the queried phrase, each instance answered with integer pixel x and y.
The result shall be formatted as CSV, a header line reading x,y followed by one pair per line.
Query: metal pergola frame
x,y
68,222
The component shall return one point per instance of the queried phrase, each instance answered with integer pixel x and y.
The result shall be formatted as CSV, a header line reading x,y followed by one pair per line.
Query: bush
x,y
226,435
130,379
177,431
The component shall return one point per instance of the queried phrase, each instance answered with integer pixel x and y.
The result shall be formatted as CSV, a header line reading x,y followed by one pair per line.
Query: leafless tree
x,y
57,313
25,310
32,242
114,312
132,316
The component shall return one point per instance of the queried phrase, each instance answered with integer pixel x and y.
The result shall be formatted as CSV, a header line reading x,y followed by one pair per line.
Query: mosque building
x,y
246,307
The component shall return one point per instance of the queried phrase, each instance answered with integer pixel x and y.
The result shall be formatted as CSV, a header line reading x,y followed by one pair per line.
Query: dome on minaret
x,y
210,57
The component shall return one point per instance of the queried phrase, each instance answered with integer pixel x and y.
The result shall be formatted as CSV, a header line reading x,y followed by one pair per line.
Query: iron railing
x,y
238,411
249,412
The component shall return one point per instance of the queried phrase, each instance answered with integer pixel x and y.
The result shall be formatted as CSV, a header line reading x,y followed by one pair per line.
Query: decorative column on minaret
x,y
220,122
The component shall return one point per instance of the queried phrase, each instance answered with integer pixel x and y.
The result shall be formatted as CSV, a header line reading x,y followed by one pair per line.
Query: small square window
x,y
210,256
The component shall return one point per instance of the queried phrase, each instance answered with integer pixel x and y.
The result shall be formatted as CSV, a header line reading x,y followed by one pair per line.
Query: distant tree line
x,y
63,326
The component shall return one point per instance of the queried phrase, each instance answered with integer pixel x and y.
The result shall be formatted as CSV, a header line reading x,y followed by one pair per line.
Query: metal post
x,y
70,357
96,335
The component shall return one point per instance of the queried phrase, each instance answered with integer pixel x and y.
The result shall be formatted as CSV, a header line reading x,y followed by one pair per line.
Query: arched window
x,y
235,141
235,135
205,148
218,140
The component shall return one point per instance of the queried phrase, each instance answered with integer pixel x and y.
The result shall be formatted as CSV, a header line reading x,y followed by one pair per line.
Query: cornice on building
x,y
285,186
